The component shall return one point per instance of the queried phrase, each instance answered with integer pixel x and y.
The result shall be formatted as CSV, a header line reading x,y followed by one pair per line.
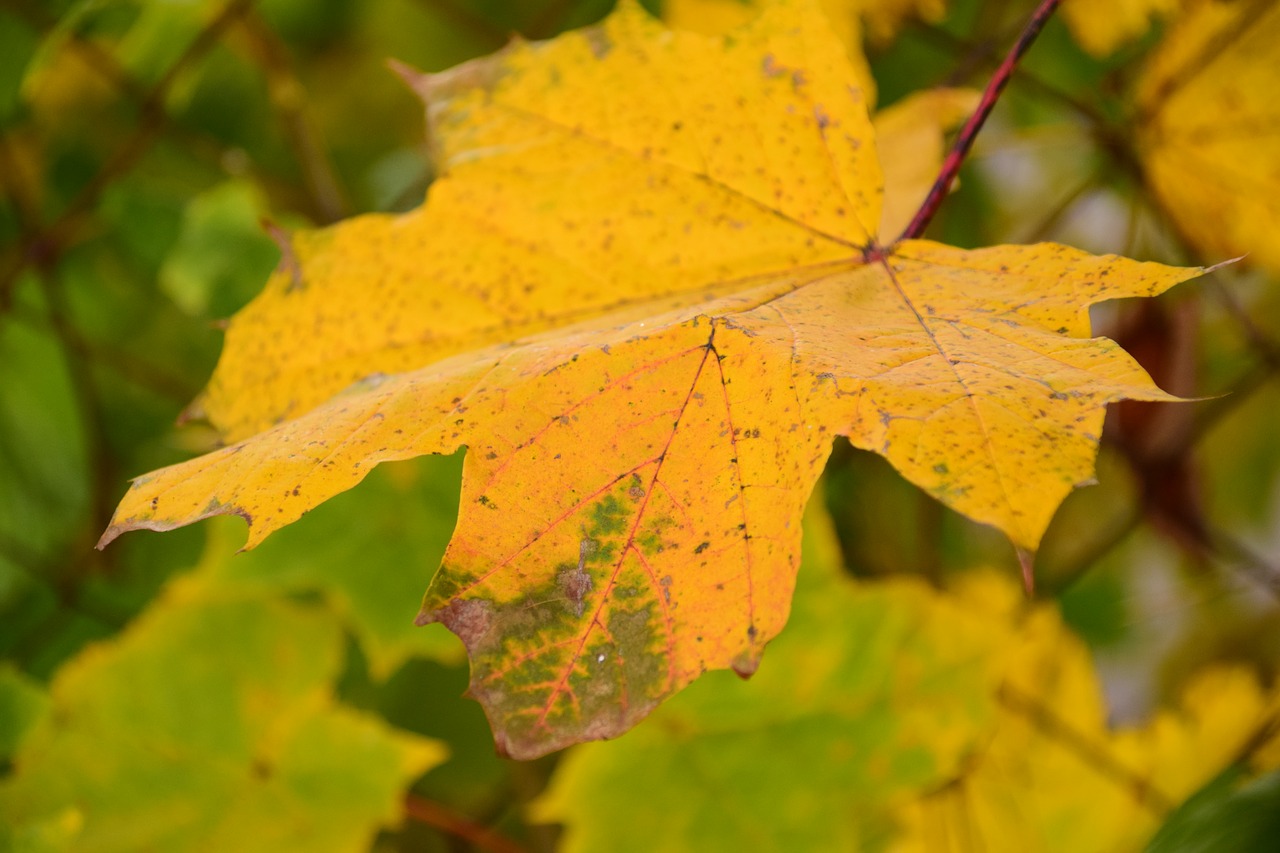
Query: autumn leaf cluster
x,y
656,280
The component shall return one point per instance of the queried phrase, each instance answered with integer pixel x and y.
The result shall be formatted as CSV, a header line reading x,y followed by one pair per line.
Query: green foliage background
x,y
168,694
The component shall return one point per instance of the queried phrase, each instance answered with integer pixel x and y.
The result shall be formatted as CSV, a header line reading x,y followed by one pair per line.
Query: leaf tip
x,y
746,664
414,78
108,536
193,412
1220,264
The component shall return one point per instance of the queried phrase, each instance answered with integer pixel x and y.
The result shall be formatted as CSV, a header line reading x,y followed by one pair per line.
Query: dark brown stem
x,y
964,140
439,817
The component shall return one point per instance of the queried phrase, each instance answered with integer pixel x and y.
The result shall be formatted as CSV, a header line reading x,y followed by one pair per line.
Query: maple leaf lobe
x,y
677,418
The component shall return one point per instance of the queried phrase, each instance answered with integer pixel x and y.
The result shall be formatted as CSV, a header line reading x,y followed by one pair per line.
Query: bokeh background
x,y
167,693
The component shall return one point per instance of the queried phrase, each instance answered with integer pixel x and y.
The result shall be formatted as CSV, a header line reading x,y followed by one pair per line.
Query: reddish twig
x,y
435,815
964,140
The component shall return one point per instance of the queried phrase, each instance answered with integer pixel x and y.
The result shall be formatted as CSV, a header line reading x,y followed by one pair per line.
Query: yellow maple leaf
x,y
1102,26
909,134
646,317
1208,126
1055,776
883,18
717,17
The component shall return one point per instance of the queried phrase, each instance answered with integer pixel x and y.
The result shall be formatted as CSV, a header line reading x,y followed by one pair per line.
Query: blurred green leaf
x,y
223,254
474,778
22,703
370,553
159,34
1225,817
18,44
210,724
44,471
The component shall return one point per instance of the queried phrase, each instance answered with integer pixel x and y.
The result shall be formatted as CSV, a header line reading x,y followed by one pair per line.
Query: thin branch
x,y
79,373
194,139
1238,393
438,816
1259,340
1263,734
1083,108
1131,225
964,140
26,208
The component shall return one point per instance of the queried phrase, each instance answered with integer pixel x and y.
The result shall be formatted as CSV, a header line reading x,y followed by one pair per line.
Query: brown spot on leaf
x,y
575,584
469,618
746,664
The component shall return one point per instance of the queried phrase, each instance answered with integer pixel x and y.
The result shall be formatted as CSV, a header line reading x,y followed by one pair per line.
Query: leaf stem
x,y
964,140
